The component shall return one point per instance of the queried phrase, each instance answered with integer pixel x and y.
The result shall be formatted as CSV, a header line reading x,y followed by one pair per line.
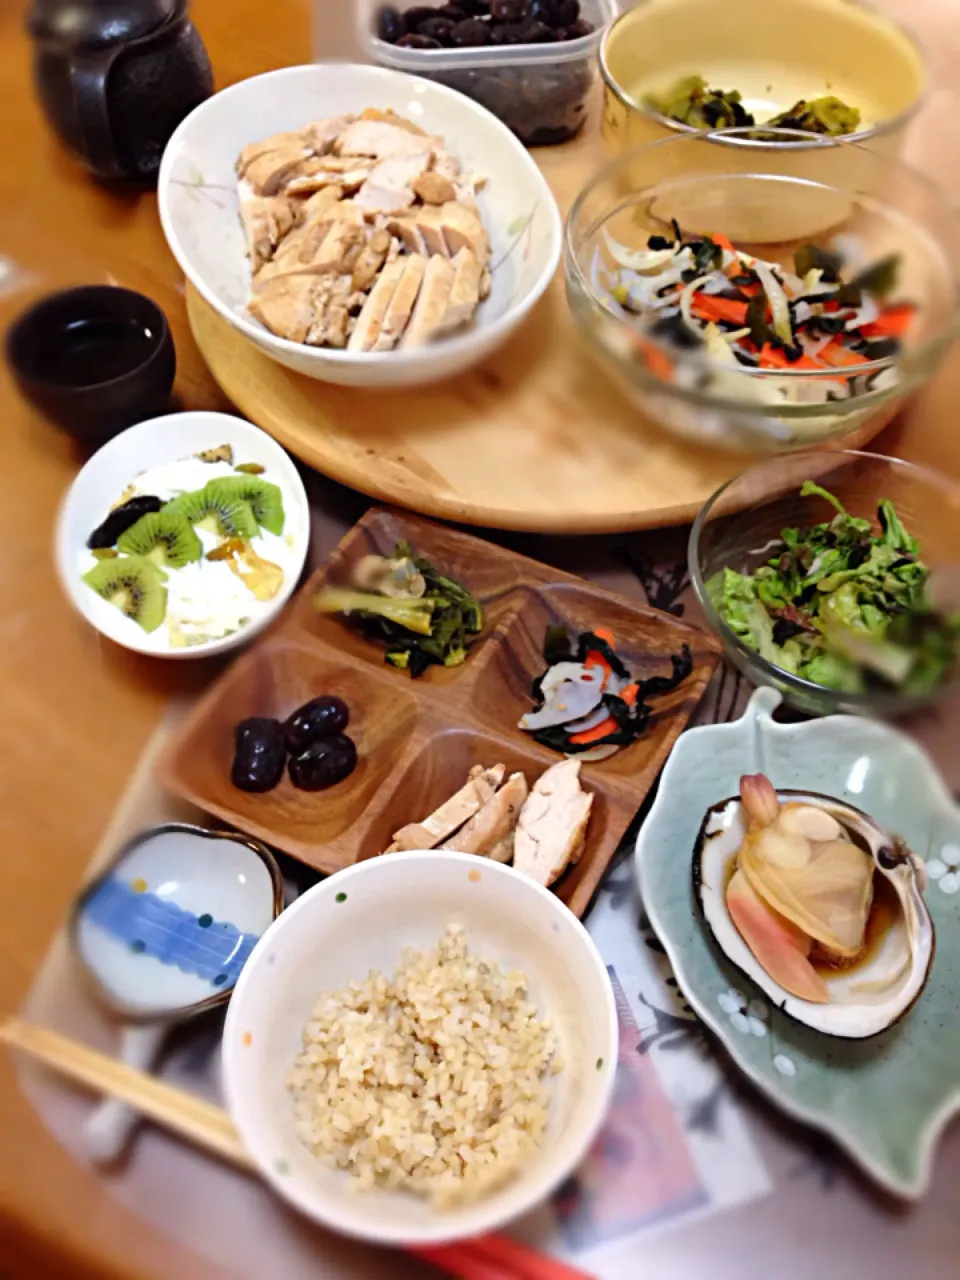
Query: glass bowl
x,y
876,205
740,528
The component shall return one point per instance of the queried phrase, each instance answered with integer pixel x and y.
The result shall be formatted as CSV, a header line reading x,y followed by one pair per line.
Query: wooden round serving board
x,y
536,440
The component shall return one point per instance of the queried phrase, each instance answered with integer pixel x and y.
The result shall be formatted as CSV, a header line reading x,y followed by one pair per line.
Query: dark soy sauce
x,y
87,352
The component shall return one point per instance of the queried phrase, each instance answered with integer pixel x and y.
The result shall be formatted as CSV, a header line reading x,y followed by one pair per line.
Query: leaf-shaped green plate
x,y
884,1100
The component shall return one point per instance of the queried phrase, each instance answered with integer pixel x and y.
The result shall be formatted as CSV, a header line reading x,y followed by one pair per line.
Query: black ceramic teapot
x,y
116,77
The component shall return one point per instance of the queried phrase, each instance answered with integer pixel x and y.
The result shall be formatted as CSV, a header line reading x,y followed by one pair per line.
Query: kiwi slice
x,y
164,537
226,515
134,585
265,498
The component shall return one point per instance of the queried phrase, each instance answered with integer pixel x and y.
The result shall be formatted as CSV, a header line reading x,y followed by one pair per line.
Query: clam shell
x,y
864,1000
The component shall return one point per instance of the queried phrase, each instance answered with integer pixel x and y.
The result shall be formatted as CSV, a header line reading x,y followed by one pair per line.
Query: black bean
x,y
323,765
390,24
413,17
471,34
508,10
259,754
418,42
318,718
439,29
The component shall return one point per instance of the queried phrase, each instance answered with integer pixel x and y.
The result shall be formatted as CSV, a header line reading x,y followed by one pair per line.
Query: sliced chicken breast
x,y
452,814
333,318
288,306
462,228
429,223
389,188
464,293
391,117
409,234
278,142
431,305
266,220
402,302
313,175
495,823
371,260
380,139
370,320
553,824
267,173
322,134
434,188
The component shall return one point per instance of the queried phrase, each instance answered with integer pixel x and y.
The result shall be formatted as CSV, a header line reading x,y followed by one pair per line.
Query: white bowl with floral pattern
x,y
199,210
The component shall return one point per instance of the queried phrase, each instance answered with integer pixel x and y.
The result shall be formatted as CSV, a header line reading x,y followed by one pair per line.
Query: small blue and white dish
x,y
163,934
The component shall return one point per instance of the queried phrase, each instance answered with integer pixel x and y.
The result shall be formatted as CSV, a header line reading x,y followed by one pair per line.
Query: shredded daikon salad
x,y
701,297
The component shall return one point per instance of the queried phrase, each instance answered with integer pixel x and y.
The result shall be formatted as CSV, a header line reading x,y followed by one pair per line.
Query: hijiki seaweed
x,y
587,703
704,313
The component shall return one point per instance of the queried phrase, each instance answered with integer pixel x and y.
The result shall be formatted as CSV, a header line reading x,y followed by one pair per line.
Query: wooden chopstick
x,y
199,1121
208,1126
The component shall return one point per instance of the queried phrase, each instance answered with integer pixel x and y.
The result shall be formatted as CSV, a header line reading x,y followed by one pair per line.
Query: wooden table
x,y
76,712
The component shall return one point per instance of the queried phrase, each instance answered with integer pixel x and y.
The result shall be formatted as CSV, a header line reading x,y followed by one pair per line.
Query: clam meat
x,y
819,905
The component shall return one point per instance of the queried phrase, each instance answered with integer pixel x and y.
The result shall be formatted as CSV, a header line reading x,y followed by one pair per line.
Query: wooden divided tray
x,y
417,739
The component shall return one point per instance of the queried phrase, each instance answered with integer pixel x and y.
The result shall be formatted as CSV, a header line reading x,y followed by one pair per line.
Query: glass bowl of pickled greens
x,y
834,578
751,305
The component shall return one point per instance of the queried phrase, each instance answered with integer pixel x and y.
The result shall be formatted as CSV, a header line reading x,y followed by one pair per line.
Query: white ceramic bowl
x,y
361,919
149,444
197,194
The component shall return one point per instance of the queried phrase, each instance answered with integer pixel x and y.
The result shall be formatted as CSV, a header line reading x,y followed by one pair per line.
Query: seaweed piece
x,y
810,257
682,666
692,102
556,646
879,279
588,641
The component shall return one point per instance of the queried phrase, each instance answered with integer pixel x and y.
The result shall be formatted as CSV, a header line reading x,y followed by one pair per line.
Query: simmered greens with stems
x,y
422,617
844,604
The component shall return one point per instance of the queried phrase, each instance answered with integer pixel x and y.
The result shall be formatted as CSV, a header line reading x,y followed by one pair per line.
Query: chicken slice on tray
x,y
370,320
408,233
379,138
492,828
332,325
452,814
402,302
553,824
431,304
266,220
464,293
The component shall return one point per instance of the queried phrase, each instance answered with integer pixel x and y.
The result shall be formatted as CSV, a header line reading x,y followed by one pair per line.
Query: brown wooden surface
x,y
584,459
75,713
417,739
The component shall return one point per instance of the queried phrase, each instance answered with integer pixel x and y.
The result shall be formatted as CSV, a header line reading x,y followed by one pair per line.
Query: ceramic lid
x,y
81,24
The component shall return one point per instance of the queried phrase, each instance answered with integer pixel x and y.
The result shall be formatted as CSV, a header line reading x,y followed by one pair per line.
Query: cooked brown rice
x,y
432,1080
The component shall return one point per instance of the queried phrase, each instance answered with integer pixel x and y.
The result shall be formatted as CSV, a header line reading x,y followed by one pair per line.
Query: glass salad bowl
x,y
764,310
831,619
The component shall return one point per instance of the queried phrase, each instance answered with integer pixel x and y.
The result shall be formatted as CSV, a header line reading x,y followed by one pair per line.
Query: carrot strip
x,y
772,357
604,633
893,322
656,360
586,736
707,306
838,356
724,243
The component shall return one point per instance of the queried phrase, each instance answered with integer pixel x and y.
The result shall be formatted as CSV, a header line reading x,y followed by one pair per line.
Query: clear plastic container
x,y
541,91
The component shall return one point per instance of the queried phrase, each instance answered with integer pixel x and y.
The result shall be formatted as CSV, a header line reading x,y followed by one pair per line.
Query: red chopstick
x,y
497,1258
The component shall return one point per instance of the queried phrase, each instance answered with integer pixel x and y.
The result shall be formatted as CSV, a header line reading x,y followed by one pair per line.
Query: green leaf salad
x,y
843,604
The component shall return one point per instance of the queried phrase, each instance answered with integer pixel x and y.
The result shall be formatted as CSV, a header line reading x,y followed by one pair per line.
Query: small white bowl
x,y
361,919
149,444
197,193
